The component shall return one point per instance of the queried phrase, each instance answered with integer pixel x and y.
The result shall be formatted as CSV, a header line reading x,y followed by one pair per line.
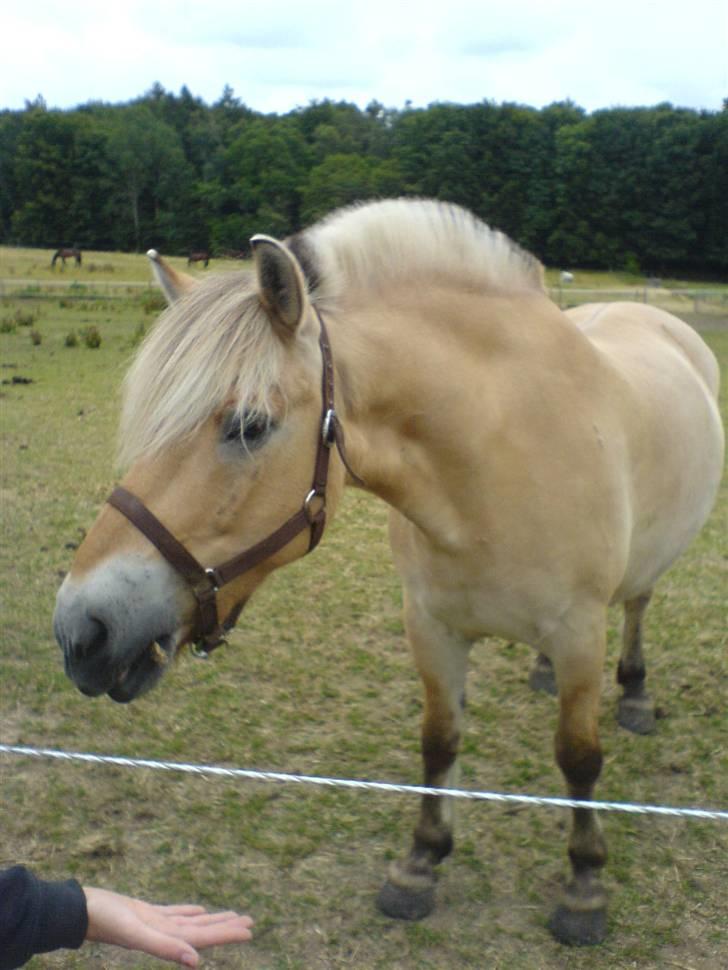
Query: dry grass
x,y
318,680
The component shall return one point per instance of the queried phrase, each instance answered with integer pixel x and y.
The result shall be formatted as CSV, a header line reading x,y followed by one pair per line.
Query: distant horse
x,y
539,467
202,256
64,254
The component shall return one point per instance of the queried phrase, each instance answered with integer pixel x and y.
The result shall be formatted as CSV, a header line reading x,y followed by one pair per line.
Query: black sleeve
x,y
38,916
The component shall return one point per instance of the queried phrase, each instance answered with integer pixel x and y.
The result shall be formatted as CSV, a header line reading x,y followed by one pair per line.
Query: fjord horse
x,y
64,254
539,466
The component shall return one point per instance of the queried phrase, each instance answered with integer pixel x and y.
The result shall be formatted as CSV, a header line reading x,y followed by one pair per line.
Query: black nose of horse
x,y
84,642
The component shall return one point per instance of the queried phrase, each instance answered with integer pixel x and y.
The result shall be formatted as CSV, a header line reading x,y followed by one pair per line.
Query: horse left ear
x,y
173,283
281,286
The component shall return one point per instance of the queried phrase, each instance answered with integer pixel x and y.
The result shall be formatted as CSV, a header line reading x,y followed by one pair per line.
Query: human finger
x,y
206,919
201,935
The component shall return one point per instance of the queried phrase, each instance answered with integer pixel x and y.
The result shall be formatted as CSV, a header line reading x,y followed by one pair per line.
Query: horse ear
x,y
281,286
172,283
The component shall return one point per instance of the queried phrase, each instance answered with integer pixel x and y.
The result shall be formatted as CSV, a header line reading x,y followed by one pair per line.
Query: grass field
x,y
317,680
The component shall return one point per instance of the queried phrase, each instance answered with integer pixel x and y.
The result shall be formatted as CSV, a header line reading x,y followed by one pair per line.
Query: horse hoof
x,y
636,714
402,903
578,927
541,678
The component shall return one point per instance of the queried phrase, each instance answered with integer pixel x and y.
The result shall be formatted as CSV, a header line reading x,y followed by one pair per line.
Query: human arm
x,y
38,916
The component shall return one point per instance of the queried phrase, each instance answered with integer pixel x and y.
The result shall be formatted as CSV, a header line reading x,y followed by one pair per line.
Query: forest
x,y
640,189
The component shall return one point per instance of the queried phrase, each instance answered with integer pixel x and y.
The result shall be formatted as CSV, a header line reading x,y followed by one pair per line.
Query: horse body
x,y
538,415
667,405
539,466
64,254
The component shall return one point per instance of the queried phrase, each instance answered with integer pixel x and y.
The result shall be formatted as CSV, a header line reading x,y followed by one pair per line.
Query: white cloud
x,y
284,53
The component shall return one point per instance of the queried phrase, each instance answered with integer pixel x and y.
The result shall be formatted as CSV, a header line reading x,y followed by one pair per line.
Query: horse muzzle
x,y
118,629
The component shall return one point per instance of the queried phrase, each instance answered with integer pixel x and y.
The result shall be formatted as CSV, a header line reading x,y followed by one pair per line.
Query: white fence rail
x,y
702,300
542,801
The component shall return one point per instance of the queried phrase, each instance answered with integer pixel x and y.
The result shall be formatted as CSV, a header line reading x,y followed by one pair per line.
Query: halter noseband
x,y
206,581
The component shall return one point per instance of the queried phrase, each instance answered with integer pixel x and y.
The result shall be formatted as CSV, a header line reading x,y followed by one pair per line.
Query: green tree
x,y
258,187
41,169
11,126
339,180
155,180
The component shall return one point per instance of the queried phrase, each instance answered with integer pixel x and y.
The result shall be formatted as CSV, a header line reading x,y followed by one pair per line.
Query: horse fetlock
x,y
432,842
636,712
587,850
631,677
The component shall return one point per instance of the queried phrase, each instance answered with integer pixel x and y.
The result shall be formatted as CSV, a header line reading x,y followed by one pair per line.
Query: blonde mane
x,y
379,244
216,345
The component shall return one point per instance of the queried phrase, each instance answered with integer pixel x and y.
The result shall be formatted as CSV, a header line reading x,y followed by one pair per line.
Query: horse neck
x,y
397,371
420,379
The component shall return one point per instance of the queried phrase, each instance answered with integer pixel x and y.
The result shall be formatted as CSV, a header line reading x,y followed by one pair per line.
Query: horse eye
x,y
252,429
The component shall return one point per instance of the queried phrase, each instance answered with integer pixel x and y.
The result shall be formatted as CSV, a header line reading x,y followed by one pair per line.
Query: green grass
x,y
318,680
33,266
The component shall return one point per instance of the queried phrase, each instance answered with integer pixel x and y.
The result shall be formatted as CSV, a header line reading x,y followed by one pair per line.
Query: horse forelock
x,y
213,346
374,245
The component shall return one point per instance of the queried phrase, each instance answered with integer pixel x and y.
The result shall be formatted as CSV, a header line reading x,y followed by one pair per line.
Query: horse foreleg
x,y
409,892
581,916
636,710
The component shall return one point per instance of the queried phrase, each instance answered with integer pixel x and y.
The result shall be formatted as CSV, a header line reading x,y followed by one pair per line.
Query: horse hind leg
x,y
409,891
580,918
635,710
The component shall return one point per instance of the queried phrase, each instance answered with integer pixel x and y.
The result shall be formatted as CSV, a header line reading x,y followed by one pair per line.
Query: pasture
x,y
317,680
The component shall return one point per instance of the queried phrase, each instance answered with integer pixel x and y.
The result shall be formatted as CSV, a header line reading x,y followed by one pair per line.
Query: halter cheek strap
x,y
206,581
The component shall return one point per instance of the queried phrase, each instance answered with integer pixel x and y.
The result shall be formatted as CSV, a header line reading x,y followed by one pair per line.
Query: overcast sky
x,y
280,54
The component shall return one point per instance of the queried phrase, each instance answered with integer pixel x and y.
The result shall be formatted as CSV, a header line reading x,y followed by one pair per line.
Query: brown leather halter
x,y
206,581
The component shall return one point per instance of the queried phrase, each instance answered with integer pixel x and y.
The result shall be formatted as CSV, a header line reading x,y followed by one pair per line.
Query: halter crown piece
x,y
206,581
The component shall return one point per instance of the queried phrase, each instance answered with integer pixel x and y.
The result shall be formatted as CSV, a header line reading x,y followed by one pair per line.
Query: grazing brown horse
x,y
64,254
540,466
202,256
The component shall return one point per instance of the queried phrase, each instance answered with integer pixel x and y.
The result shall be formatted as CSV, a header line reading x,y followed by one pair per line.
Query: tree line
x,y
622,188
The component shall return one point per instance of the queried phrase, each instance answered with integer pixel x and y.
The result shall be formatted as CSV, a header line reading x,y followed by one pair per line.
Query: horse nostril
x,y
93,638
85,645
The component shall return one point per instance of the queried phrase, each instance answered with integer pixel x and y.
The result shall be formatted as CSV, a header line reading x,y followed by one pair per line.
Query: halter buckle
x,y
328,428
312,516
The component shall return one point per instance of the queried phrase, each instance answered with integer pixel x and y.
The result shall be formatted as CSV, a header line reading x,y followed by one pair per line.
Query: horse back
x,y
610,325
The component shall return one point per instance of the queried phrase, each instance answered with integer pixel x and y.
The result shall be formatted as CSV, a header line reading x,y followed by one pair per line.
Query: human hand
x,y
168,932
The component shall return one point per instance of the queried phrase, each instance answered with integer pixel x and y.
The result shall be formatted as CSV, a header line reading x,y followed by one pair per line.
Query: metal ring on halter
x,y
313,516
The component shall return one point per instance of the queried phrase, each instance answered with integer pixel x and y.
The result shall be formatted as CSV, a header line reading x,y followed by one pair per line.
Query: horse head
x,y
220,426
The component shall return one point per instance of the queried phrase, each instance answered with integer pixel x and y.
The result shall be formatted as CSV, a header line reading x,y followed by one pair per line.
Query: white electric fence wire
x,y
279,776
